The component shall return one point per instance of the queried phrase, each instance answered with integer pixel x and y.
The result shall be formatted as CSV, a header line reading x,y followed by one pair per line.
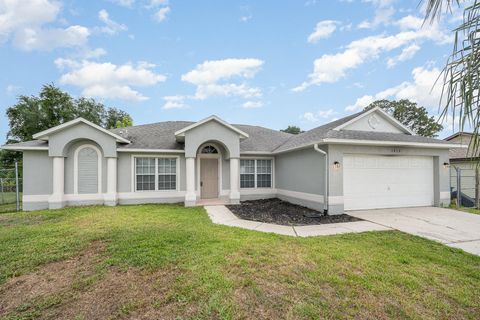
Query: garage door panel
x,y
387,182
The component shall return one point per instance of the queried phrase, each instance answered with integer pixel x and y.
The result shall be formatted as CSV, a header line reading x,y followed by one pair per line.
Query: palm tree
x,y
461,80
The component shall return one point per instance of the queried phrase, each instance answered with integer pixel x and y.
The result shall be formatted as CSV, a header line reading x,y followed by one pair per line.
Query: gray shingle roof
x,y
463,154
326,131
161,135
314,135
30,144
458,153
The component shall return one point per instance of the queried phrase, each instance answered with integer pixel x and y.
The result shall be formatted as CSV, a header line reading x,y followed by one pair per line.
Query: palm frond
x,y
434,8
461,79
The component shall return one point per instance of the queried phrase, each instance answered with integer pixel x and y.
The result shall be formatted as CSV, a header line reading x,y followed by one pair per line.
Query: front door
x,y
208,178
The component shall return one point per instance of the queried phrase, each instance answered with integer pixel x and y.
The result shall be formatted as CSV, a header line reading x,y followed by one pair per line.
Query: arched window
x,y
209,149
87,170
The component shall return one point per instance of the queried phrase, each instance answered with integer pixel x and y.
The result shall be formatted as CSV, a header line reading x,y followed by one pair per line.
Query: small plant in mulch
x,y
284,213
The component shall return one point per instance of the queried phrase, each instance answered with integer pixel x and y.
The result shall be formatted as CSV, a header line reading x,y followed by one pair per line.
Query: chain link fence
x,y
464,182
10,189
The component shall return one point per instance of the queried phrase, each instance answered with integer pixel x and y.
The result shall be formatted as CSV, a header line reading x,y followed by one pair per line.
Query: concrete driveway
x,y
451,227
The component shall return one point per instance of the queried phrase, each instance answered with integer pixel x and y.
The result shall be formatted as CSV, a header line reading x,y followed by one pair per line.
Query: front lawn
x,y
168,262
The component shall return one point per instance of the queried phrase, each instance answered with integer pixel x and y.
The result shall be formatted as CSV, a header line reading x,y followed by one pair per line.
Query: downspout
x,y
325,197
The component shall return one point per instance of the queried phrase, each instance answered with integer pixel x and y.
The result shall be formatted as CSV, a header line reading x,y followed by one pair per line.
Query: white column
x,y
111,195
234,180
190,196
55,201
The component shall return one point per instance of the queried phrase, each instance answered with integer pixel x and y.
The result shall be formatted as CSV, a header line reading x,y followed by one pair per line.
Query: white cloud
x,y
63,63
220,78
252,104
384,12
323,30
422,89
361,103
48,39
157,3
11,89
320,115
25,21
246,18
124,3
161,14
93,53
16,15
331,68
107,80
214,78
111,27
174,102
410,23
407,53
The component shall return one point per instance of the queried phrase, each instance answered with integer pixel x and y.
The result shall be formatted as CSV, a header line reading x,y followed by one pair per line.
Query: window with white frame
x,y
247,173
155,174
255,173
264,173
167,173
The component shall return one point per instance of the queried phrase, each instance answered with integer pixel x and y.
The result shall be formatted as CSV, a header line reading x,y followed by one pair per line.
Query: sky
x,y
268,63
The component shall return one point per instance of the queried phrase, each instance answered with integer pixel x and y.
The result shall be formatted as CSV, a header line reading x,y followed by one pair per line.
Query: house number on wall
x,y
396,150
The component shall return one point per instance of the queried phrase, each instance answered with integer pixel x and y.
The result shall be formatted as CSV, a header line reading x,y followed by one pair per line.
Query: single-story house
x,y
463,158
363,161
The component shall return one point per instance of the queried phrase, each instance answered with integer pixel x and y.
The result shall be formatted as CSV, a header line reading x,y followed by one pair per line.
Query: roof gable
x,y
375,120
181,132
44,135
463,138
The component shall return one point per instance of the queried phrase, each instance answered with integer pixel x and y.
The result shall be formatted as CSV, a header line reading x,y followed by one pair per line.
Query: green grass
x,y
471,210
8,201
172,262
465,209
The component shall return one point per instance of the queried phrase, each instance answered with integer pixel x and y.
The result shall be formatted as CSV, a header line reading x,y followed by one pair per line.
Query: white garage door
x,y
371,182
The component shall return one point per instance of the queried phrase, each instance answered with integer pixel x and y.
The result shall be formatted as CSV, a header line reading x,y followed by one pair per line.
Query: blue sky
x,y
270,63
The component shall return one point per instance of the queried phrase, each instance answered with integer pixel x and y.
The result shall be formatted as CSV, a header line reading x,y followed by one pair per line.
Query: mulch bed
x,y
284,213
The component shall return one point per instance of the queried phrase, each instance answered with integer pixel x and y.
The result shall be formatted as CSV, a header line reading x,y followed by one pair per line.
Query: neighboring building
x,y
462,158
373,161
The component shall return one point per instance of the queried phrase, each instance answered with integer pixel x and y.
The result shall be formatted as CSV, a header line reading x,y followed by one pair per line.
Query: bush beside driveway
x,y
167,261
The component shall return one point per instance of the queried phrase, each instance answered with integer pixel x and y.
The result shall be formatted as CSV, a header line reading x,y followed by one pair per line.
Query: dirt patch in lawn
x,y
53,278
284,213
83,288
132,293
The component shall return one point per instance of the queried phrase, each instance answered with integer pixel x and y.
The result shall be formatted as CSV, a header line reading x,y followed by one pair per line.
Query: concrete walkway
x,y
451,227
221,215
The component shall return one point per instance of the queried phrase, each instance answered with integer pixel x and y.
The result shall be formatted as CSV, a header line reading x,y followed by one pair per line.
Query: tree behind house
x,y
52,107
292,130
411,115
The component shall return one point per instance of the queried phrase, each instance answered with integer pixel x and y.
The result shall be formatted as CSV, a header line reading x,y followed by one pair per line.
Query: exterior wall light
x,y
446,165
336,165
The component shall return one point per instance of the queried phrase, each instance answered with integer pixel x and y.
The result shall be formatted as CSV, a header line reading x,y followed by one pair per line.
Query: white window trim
x,y
218,156
134,172
75,167
258,158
